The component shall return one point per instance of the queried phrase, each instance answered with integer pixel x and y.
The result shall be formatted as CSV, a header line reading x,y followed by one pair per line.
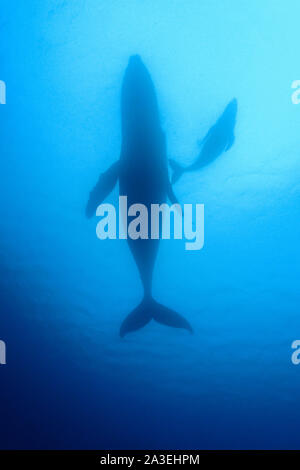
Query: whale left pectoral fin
x,y
104,186
230,143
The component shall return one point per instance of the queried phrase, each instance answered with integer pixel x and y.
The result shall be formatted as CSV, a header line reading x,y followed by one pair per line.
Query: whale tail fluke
x,y
177,170
137,319
150,309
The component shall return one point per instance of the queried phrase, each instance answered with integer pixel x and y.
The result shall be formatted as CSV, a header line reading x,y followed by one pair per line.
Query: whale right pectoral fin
x,y
171,195
173,199
104,186
178,170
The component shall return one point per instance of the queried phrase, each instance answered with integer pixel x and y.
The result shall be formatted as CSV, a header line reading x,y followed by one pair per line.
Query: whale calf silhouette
x,y
218,139
143,177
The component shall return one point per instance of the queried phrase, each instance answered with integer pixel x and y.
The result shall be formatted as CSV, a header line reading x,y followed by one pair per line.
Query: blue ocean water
x,y
70,381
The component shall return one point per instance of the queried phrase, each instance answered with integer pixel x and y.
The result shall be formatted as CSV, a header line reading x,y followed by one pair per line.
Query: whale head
x,y
139,106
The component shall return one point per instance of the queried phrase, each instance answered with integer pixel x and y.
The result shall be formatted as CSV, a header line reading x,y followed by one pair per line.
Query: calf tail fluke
x,y
177,170
150,309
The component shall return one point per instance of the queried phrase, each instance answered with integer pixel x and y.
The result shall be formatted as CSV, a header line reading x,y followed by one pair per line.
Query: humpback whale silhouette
x,y
219,139
142,173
